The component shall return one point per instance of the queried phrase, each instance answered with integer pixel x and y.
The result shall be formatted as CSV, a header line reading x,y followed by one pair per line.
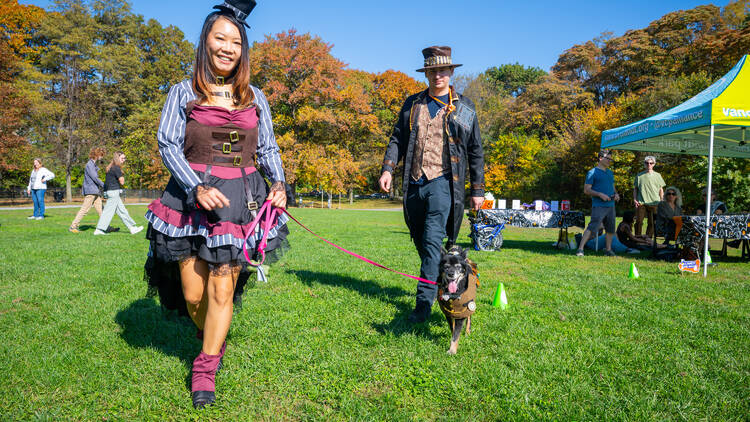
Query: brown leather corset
x,y
227,145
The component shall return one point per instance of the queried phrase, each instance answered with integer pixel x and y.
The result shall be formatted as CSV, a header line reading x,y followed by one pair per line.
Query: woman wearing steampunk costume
x,y
212,128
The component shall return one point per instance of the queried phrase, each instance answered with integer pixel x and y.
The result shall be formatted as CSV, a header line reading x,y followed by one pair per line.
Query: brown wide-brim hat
x,y
436,57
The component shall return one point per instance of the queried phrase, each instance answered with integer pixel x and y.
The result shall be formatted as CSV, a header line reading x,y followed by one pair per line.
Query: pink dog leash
x,y
271,214
278,211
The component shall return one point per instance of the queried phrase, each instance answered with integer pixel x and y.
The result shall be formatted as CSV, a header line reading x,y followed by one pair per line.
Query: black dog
x,y
457,291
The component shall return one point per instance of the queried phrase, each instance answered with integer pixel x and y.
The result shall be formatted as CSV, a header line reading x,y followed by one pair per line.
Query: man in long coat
x,y
437,137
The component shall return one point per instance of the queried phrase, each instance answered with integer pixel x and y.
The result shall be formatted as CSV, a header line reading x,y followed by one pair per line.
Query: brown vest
x,y
224,146
465,305
430,152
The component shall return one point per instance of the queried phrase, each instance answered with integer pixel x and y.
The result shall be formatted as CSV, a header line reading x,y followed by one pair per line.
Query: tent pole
x,y
708,199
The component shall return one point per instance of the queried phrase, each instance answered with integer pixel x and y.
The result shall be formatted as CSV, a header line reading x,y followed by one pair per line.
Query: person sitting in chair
x,y
717,207
670,207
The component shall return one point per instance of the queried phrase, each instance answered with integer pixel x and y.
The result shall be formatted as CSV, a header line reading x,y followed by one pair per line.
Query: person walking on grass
x,y
648,190
113,183
600,186
213,128
37,187
436,136
92,187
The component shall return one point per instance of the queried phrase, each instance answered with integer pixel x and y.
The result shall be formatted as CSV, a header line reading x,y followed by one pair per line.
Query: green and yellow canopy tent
x,y
714,122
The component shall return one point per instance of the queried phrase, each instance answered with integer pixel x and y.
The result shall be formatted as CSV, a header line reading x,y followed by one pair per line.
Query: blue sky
x,y
376,36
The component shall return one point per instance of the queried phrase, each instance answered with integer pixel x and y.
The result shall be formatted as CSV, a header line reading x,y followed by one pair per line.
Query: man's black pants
x,y
428,204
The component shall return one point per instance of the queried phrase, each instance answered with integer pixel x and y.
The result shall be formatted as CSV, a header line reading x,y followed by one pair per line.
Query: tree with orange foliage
x,y
705,38
390,89
17,25
316,103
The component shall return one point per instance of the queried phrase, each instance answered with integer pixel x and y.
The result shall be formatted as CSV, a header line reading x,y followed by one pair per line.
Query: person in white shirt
x,y
37,187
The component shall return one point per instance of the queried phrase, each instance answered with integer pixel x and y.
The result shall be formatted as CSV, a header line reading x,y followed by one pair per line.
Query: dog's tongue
x,y
452,287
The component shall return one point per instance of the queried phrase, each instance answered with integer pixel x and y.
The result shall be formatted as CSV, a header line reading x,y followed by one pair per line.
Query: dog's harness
x,y
464,305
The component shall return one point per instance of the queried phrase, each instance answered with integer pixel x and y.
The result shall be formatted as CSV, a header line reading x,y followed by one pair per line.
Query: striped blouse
x,y
171,137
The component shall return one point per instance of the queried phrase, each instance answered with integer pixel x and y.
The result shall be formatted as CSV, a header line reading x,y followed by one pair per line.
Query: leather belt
x,y
235,161
227,148
232,136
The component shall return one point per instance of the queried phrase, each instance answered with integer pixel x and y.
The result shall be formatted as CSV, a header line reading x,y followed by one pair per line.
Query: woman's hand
x,y
277,195
210,198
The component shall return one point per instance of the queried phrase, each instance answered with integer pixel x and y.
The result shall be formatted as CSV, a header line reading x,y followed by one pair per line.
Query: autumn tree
x,y
13,147
491,104
389,91
544,107
66,113
139,145
315,101
515,164
705,38
17,25
100,80
513,79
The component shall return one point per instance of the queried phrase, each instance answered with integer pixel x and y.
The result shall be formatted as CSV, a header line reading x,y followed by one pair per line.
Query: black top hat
x,y
436,57
239,8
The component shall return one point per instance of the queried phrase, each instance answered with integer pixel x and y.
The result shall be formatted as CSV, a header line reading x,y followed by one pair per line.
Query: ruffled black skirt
x,y
178,231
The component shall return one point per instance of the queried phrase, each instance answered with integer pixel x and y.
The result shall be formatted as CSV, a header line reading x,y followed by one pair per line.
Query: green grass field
x,y
327,337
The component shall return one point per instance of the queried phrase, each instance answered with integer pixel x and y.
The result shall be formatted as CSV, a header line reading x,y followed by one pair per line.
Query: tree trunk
x,y
68,188
351,196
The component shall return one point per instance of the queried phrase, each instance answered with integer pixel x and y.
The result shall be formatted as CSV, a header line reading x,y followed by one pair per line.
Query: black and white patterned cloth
x,y
693,229
724,226
530,218
486,227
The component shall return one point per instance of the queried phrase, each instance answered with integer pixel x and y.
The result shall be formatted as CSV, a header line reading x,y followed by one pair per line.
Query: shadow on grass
x,y
145,325
390,295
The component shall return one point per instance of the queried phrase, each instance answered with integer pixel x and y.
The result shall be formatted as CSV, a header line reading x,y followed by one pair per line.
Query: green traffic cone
x,y
501,299
633,271
708,258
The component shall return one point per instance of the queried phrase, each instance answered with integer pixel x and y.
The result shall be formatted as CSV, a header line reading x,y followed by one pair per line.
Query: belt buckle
x,y
234,136
227,94
226,148
252,205
237,161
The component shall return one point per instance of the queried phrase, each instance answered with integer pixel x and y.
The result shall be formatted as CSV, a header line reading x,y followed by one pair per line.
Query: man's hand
x,y
210,198
637,204
385,181
617,196
476,202
277,195
604,197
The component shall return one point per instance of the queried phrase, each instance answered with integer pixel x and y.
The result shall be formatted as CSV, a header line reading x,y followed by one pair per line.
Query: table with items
x,y
691,229
487,225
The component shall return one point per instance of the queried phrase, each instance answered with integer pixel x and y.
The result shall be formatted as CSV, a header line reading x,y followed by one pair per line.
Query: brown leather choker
x,y
220,80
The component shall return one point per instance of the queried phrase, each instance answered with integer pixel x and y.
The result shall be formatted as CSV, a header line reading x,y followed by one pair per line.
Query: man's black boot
x,y
420,313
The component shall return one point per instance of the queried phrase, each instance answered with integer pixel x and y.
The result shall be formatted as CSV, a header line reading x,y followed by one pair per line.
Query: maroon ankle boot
x,y
203,380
